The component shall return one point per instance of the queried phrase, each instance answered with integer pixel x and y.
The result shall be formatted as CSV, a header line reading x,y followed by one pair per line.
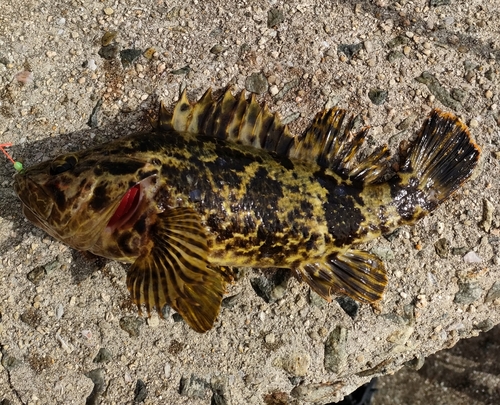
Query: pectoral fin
x,y
176,272
355,273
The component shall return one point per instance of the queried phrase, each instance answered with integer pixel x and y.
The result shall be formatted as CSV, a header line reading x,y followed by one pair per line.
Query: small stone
x,y
97,377
192,387
220,387
349,306
275,16
129,56
437,90
256,83
108,11
131,325
153,320
149,53
485,325
108,52
108,38
321,393
103,356
9,362
468,293
297,364
442,247
368,46
31,317
488,209
438,3
472,257
349,50
488,94
335,358
493,293
140,392
394,55
272,286
270,338
231,301
378,96
36,275
274,90
217,49
182,71
407,122
50,54
400,336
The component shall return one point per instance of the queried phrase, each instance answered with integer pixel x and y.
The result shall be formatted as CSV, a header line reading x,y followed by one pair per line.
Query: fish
x,y
222,183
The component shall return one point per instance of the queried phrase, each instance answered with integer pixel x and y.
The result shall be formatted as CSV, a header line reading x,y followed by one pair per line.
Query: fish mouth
x,y
36,202
129,204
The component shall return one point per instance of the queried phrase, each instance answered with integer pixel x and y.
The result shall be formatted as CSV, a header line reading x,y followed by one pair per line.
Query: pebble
x,y
108,52
108,38
97,377
108,11
274,90
437,90
140,391
493,293
349,50
153,320
472,257
36,275
132,325
92,65
51,54
129,56
103,356
442,247
192,387
335,358
10,362
149,53
468,293
275,16
297,364
349,306
318,393
256,83
488,94
217,49
272,286
488,210
378,96
394,55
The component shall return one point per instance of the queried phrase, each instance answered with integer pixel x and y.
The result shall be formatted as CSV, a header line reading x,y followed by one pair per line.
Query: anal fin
x,y
355,273
176,272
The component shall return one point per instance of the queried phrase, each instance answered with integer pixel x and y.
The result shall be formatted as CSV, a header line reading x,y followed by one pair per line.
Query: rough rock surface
x,y
71,76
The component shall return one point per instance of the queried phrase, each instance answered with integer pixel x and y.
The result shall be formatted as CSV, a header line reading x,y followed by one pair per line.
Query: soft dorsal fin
x,y
329,141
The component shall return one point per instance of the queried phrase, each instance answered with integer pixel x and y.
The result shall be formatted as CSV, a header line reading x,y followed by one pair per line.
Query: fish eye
x,y
62,164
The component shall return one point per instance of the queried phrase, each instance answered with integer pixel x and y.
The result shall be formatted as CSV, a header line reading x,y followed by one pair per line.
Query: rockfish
x,y
224,183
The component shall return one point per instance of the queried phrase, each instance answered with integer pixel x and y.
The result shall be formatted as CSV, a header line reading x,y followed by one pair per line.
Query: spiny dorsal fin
x,y
329,141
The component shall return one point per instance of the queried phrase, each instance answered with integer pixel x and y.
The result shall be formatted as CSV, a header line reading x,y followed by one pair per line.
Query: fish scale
x,y
223,183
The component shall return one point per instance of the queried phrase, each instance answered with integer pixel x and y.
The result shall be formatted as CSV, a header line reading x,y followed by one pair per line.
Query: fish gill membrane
x,y
223,183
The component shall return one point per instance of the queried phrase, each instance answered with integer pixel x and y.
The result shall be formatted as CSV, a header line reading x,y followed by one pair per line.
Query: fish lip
x,y
24,187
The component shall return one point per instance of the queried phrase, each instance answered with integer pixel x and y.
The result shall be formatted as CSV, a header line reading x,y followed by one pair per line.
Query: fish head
x,y
77,196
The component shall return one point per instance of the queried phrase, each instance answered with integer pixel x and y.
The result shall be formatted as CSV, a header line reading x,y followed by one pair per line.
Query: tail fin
x,y
444,155
442,158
